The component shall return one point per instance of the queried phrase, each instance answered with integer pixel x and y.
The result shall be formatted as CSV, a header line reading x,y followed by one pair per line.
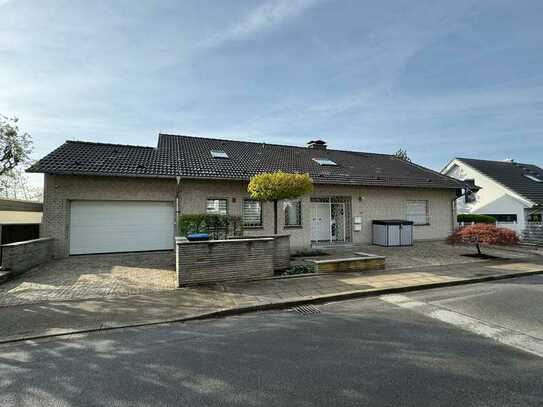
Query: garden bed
x,y
362,261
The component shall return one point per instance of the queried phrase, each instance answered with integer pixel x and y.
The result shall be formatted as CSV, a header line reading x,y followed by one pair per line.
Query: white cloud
x,y
262,18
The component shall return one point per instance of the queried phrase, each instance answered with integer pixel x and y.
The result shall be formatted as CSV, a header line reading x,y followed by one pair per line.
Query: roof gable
x,y
512,175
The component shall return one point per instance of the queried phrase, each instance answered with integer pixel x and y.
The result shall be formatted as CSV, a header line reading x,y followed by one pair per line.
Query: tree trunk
x,y
275,217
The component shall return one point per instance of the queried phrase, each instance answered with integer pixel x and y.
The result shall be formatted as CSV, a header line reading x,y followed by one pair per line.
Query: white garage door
x,y
120,226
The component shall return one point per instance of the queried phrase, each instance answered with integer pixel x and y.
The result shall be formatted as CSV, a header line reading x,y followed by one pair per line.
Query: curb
x,y
347,295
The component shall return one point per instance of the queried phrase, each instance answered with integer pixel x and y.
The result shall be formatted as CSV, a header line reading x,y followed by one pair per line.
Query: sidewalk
x,y
52,318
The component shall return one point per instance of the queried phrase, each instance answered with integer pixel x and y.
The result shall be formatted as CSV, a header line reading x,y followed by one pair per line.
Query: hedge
x,y
216,226
474,218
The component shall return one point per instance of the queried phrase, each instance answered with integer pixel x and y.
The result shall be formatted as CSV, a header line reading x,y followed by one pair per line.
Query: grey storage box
x,y
392,233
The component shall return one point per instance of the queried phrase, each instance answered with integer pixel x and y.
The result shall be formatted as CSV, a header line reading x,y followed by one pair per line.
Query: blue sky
x,y
438,78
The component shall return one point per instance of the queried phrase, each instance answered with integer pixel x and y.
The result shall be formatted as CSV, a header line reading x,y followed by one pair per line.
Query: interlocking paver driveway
x,y
92,276
430,253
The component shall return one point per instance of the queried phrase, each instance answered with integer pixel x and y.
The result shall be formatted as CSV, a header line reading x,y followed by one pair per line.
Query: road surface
x,y
444,347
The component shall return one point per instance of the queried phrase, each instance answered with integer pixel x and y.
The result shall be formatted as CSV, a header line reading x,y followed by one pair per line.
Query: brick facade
x,y
368,202
60,190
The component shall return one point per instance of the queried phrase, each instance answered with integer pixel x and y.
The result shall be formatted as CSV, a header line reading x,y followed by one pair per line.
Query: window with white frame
x,y
418,212
217,206
293,212
252,213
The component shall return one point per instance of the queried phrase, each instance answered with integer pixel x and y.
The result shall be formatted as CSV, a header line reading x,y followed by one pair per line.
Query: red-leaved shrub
x,y
484,234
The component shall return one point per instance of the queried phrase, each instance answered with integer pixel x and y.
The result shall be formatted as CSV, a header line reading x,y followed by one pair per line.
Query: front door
x,y
320,225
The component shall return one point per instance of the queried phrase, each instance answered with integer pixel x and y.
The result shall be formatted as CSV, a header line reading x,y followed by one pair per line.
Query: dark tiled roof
x,y
513,176
190,157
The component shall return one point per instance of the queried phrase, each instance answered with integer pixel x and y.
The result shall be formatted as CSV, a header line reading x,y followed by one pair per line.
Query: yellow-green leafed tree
x,y
275,186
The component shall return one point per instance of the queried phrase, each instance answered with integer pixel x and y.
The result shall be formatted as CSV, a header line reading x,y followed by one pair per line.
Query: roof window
x,y
324,161
533,178
218,154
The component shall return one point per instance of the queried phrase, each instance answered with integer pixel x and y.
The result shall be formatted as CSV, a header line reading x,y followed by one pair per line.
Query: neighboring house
x,y
112,198
19,220
511,192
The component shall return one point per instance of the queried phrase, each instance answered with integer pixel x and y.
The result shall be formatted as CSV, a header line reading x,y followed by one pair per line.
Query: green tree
x,y
275,186
15,146
402,154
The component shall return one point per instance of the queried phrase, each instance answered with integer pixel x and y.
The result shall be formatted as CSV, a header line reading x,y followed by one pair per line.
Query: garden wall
x,y
20,256
281,250
223,260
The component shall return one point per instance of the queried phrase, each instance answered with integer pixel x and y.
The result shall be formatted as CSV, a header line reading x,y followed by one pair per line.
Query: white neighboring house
x,y
509,191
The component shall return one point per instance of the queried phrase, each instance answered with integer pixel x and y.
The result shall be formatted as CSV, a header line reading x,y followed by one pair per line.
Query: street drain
x,y
306,310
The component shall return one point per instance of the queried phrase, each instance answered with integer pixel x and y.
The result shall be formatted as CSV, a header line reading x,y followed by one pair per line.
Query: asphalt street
x,y
410,350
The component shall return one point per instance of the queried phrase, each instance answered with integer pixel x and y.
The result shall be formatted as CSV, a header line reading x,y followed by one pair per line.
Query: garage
x,y
120,226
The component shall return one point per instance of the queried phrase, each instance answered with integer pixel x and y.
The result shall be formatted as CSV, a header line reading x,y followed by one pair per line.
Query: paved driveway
x,y
92,276
430,253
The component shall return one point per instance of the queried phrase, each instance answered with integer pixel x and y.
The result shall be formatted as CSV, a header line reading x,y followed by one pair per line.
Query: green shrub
x,y
309,253
299,269
216,226
469,218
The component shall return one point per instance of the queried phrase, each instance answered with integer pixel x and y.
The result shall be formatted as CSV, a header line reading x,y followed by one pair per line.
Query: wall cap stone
x,y
26,242
260,236
182,241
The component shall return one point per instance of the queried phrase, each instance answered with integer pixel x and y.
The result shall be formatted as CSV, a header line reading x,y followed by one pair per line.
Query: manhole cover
x,y
306,309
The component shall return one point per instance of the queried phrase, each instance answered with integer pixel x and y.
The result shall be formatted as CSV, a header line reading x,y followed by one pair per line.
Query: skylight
x,y
218,154
324,161
533,178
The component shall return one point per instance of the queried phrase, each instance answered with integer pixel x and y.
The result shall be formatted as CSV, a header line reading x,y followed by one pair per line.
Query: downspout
x,y
453,207
459,195
177,203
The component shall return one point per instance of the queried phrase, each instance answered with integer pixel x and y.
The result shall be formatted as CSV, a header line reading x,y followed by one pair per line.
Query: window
x,y
218,154
533,178
324,161
293,213
217,206
252,213
418,212
535,217
504,217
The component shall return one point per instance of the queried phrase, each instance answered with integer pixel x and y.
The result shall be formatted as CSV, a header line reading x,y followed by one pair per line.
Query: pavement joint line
x,y
319,299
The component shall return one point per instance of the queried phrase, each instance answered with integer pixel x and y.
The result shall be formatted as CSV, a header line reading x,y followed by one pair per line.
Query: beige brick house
x,y
102,198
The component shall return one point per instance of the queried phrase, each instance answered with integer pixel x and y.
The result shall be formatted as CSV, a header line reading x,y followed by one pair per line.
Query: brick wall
x,y
281,250
20,256
368,202
223,260
60,190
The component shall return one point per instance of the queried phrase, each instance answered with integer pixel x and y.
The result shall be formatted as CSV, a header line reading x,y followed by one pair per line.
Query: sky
x,y
437,78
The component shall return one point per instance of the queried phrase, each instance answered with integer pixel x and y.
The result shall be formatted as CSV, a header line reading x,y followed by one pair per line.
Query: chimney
x,y
317,144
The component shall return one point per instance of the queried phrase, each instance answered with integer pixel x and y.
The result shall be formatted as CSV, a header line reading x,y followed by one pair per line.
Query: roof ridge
x,y
270,144
426,169
495,161
109,144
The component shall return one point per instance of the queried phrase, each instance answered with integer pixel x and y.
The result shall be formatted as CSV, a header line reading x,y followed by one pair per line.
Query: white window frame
x,y
298,203
411,216
218,211
220,154
325,162
252,225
